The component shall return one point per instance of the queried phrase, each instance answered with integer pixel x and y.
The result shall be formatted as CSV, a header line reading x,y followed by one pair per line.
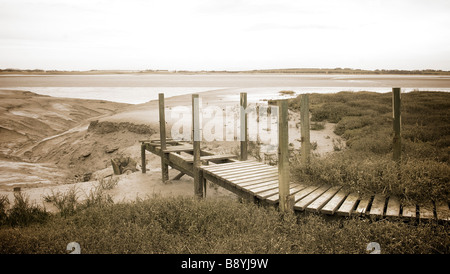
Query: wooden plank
x,y
346,209
190,159
269,186
272,192
426,211
304,192
242,170
295,188
254,179
178,149
377,208
393,207
250,174
361,209
409,211
318,203
303,203
229,166
234,163
442,211
255,182
332,206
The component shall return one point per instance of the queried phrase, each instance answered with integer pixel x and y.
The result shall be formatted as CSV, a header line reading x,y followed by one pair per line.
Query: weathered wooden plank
x,y
250,174
303,203
318,203
243,170
304,192
268,186
273,192
426,211
295,188
332,206
349,204
255,182
258,185
393,207
233,164
377,208
238,182
409,211
229,166
190,159
361,209
283,156
442,211
178,149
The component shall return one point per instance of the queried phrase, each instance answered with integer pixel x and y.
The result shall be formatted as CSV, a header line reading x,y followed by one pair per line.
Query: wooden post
x,y
162,138
304,130
143,163
243,126
196,139
397,146
285,204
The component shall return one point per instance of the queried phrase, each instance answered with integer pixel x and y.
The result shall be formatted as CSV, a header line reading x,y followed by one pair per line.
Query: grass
x,y
363,161
186,225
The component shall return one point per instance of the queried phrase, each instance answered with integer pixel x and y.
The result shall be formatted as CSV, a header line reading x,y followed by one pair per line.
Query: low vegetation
x,y
364,163
187,225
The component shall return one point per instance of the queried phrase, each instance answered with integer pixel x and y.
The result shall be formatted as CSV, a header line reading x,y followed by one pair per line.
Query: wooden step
x,y
426,211
377,208
363,205
393,207
320,202
409,211
332,206
349,204
303,203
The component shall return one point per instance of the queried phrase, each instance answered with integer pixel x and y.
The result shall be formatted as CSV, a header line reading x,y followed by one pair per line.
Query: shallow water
x,y
141,88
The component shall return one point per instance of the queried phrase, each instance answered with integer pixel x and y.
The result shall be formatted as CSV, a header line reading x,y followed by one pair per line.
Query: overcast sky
x,y
224,34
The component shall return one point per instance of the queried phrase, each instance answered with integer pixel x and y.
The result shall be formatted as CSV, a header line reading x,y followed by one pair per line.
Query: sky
x,y
224,34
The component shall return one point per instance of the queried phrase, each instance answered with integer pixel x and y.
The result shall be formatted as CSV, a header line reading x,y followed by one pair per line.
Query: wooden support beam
x,y
162,137
178,177
397,145
143,160
196,139
304,130
243,127
286,204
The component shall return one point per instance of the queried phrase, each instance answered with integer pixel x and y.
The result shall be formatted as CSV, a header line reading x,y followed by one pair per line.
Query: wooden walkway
x,y
271,185
258,182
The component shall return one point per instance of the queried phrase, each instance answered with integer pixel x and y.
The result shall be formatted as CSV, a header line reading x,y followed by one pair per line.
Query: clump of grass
x,y
317,125
109,183
66,202
22,212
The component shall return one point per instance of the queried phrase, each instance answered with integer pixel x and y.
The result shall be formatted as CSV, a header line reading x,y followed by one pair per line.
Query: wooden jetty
x,y
270,185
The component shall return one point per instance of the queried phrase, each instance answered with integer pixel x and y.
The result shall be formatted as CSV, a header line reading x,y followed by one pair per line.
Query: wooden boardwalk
x,y
258,182
265,184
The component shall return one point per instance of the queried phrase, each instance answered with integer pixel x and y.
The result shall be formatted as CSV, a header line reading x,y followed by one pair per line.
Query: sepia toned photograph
x,y
240,128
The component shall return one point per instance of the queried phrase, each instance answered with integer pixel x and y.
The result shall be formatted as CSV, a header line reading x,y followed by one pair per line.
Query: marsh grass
x,y
363,161
187,225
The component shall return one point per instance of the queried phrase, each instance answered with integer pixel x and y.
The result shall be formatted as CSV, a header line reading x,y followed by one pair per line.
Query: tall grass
x,y
186,225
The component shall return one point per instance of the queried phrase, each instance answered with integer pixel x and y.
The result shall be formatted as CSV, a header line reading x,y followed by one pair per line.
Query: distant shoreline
x,y
279,71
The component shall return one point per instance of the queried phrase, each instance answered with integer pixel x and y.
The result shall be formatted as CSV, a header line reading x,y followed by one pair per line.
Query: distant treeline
x,y
287,70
